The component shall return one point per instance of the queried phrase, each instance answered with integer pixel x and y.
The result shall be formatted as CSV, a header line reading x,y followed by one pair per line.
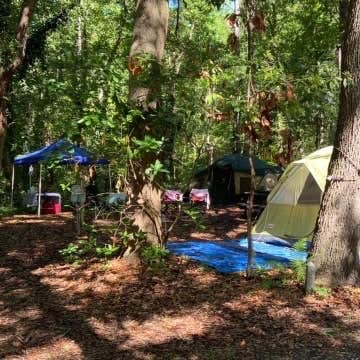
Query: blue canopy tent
x,y
61,151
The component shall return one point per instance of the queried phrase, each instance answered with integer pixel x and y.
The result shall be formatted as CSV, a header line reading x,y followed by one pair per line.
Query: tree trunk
x,y
250,6
335,251
4,83
7,72
149,37
147,49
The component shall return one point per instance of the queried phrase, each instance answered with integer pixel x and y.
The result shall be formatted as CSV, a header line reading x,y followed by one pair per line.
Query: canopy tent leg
x,y
39,193
12,185
110,189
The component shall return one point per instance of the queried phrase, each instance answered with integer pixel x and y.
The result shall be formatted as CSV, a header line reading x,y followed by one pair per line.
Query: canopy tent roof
x,y
294,203
241,163
63,151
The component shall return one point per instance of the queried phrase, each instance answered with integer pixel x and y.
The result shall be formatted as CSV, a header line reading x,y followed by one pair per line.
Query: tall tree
x,y
7,71
147,49
335,253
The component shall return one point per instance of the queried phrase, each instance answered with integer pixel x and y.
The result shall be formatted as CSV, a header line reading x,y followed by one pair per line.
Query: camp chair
x,y
171,196
201,196
107,202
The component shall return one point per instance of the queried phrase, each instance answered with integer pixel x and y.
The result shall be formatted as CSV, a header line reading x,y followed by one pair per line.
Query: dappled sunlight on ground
x,y
121,310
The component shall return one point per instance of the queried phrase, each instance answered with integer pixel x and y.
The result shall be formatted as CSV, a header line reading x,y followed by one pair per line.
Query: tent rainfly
x,y
294,203
228,178
62,151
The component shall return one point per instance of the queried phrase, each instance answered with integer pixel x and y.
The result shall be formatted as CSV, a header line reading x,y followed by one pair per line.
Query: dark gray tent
x,y
228,178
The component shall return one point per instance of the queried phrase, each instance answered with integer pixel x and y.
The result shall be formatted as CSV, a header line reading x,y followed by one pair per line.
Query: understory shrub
x,y
154,255
89,248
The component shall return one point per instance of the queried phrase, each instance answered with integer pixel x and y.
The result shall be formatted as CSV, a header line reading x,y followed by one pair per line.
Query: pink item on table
x,y
172,196
200,195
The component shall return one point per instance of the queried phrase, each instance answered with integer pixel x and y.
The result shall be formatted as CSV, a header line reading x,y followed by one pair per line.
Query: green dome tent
x,y
293,205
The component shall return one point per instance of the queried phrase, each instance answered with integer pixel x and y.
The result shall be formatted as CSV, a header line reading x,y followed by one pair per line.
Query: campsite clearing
x,y
120,310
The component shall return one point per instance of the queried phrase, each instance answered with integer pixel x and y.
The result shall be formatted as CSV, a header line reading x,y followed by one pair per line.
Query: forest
x,y
179,179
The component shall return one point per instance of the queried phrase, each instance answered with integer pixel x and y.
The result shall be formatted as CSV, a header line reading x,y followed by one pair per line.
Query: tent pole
x,y
12,185
39,192
110,190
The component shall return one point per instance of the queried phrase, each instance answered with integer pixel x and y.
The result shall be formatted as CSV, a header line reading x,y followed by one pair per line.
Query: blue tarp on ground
x,y
231,256
63,151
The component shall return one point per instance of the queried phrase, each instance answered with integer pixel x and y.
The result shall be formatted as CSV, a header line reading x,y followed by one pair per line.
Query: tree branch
x,y
22,34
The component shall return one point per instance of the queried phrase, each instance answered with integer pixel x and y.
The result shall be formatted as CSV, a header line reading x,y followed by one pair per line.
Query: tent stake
x,y
39,192
12,185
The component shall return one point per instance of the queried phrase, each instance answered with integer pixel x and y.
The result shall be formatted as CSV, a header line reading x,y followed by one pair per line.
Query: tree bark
x,y
7,72
335,251
146,52
149,37
250,7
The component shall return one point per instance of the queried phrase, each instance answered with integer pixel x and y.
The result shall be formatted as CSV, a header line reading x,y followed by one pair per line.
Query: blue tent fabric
x,y
63,151
80,156
41,154
231,256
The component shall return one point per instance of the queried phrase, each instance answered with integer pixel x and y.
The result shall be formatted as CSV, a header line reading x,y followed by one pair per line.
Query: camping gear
x,y
61,151
200,196
170,196
114,199
78,195
51,203
228,178
231,256
31,197
294,203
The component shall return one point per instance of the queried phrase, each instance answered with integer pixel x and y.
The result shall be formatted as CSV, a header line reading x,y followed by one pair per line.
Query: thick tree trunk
x,y
335,252
147,49
146,52
148,216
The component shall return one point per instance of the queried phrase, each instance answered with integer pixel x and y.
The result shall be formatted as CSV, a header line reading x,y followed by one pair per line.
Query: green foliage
x,y
74,253
280,276
272,283
82,93
155,169
322,291
107,251
88,248
301,245
299,269
70,253
154,255
195,215
148,145
132,238
7,211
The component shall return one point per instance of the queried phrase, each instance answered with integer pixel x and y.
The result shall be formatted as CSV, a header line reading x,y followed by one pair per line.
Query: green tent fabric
x,y
293,205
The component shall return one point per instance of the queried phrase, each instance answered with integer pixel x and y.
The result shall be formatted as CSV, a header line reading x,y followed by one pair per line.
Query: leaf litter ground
x,y
123,310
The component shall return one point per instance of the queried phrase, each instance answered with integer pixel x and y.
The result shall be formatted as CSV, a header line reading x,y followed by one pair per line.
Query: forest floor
x,y
124,310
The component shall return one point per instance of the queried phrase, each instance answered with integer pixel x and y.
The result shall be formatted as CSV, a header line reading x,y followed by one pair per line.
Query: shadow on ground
x,y
119,310
221,223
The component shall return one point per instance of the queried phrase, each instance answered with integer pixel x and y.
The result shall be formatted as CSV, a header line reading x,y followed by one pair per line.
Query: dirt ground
x,y
122,310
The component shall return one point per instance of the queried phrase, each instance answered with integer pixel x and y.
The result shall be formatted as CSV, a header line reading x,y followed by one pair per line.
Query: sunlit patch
x,y
158,329
166,328
59,349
